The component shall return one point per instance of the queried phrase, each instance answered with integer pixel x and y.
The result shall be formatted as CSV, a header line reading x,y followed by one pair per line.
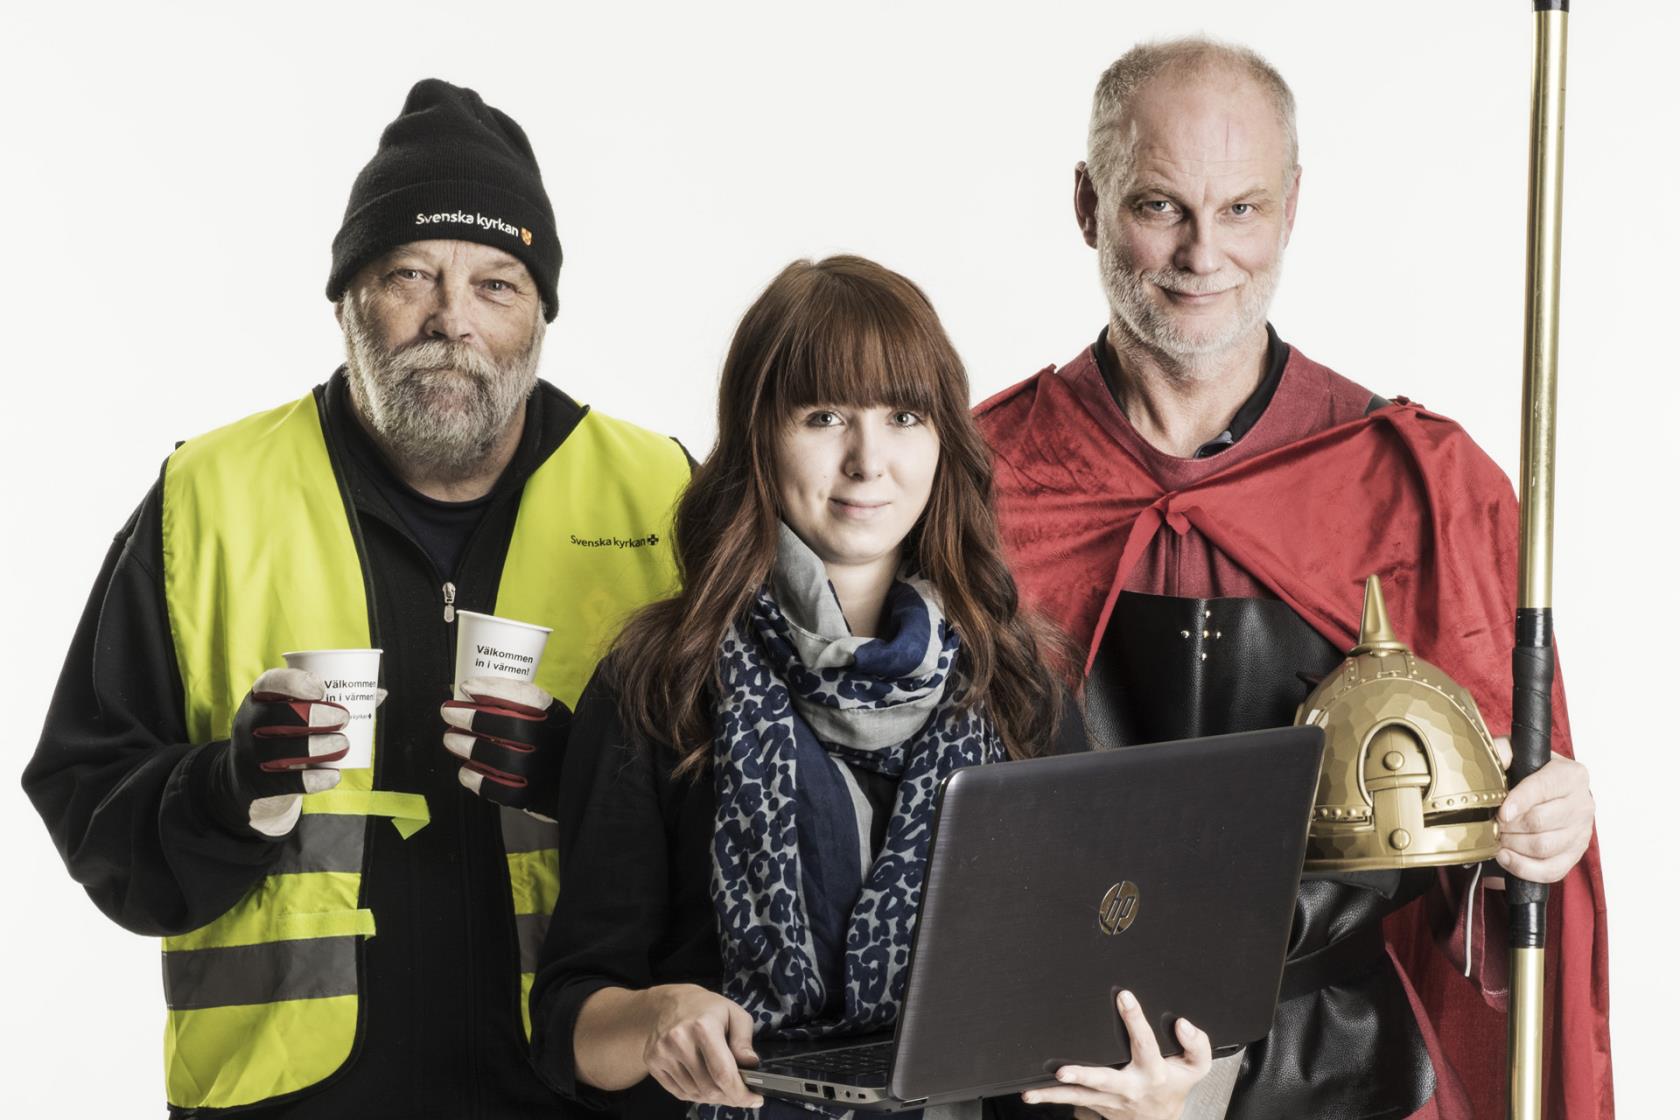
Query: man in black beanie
x,y
340,941
451,168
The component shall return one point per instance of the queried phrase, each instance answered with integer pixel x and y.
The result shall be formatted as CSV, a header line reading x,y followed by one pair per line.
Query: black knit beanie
x,y
450,167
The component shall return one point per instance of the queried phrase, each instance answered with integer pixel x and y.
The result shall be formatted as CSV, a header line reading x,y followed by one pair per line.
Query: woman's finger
x,y
1146,1052
1075,1095
710,1065
687,1057
1198,1048
1100,1079
738,1036
720,1070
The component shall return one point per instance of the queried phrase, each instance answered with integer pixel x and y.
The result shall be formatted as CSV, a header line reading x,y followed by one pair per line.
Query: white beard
x,y
439,406
1133,300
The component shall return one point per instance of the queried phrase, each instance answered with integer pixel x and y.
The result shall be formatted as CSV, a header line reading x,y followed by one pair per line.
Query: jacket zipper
x,y
472,1023
449,594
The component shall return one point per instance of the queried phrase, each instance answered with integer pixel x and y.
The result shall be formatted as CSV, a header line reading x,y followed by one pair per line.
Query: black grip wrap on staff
x,y
1551,5
1532,668
1526,920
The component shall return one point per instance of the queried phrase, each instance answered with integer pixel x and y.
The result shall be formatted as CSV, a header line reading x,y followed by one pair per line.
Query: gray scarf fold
x,y
818,629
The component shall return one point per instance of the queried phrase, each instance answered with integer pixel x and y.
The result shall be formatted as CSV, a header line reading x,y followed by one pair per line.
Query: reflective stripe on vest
x,y
259,559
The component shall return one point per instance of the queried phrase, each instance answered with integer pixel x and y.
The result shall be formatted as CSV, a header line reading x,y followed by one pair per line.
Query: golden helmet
x,y
1410,778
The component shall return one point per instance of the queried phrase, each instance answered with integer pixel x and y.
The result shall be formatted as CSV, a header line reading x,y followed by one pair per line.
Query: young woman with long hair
x,y
751,774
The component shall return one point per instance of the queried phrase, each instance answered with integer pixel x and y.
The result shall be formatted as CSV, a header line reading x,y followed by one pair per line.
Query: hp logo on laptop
x,y
1119,908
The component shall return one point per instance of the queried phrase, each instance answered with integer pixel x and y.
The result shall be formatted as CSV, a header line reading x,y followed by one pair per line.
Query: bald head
x,y
1187,61
1189,198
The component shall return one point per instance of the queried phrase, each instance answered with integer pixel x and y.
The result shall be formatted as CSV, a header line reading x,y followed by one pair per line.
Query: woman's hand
x,y
1149,1088
696,1043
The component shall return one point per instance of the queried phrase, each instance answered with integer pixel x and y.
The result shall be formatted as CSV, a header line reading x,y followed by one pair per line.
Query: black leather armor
x,y
1344,1043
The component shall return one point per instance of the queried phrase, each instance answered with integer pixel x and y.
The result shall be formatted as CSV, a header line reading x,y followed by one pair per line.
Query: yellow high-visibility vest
x,y
260,558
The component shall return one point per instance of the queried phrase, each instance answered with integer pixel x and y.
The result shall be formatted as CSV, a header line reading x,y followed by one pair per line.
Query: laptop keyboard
x,y
846,1063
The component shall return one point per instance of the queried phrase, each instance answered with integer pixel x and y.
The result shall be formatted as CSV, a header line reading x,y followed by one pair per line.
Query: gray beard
x,y
1132,310
439,407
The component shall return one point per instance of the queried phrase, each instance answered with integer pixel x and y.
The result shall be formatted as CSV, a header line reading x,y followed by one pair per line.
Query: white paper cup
x,y
352,679
487,646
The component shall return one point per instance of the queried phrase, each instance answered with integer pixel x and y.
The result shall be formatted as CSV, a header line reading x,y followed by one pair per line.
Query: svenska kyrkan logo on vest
x,y
648,540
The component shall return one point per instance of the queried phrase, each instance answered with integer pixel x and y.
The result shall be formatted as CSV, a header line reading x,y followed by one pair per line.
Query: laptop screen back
x,y
1053,883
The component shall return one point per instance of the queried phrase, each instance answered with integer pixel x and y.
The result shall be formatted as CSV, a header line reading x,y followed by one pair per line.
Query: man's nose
x,y
447,320
1198,250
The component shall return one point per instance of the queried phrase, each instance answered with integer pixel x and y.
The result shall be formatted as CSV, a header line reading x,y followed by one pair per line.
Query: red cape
x,y
1403,493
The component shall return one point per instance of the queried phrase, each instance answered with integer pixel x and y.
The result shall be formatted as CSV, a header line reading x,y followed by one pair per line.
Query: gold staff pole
x,y
1532,656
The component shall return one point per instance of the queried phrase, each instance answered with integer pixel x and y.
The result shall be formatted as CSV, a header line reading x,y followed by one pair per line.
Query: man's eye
x,y
408,274
1242,209
1156,206
498,285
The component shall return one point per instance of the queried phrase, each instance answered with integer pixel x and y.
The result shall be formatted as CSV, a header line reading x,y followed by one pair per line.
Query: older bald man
x,y
1199,504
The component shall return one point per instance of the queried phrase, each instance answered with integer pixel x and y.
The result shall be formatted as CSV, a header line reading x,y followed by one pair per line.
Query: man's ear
x,y
1085,203
1289,201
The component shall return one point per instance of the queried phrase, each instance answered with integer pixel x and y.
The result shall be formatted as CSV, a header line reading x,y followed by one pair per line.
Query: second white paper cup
x,y
488,646
352,679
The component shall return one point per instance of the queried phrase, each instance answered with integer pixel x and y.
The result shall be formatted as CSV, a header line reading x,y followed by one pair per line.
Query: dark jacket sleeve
x,y
114,777
614,895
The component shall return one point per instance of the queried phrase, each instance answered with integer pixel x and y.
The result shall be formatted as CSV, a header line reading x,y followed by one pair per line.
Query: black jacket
x,y
120,789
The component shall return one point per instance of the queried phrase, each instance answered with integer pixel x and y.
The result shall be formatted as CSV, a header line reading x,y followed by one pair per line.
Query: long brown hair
x,y
844,330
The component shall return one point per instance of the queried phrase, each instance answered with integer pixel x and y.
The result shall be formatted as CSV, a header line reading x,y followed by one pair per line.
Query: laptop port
x,y
811,1087
828,1092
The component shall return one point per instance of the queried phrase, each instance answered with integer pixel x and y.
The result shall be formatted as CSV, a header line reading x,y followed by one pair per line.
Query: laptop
x,y
1052,884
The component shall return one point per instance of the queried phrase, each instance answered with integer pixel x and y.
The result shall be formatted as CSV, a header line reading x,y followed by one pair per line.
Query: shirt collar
x,y
1277,356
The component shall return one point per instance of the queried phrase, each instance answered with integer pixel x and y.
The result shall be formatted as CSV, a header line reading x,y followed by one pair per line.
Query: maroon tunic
x,y
1308,399
1315,497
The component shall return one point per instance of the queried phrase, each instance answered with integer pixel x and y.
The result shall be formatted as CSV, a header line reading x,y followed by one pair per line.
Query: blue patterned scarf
x,y
814,928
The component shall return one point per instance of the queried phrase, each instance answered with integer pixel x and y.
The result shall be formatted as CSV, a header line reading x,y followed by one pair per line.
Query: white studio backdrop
x,y
173,176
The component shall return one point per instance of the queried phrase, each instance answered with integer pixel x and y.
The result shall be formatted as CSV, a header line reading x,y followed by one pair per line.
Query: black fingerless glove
x,y
253,780
514,749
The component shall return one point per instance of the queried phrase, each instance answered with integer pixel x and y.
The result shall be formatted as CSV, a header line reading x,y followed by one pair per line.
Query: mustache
x,y
435,354
1188,283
